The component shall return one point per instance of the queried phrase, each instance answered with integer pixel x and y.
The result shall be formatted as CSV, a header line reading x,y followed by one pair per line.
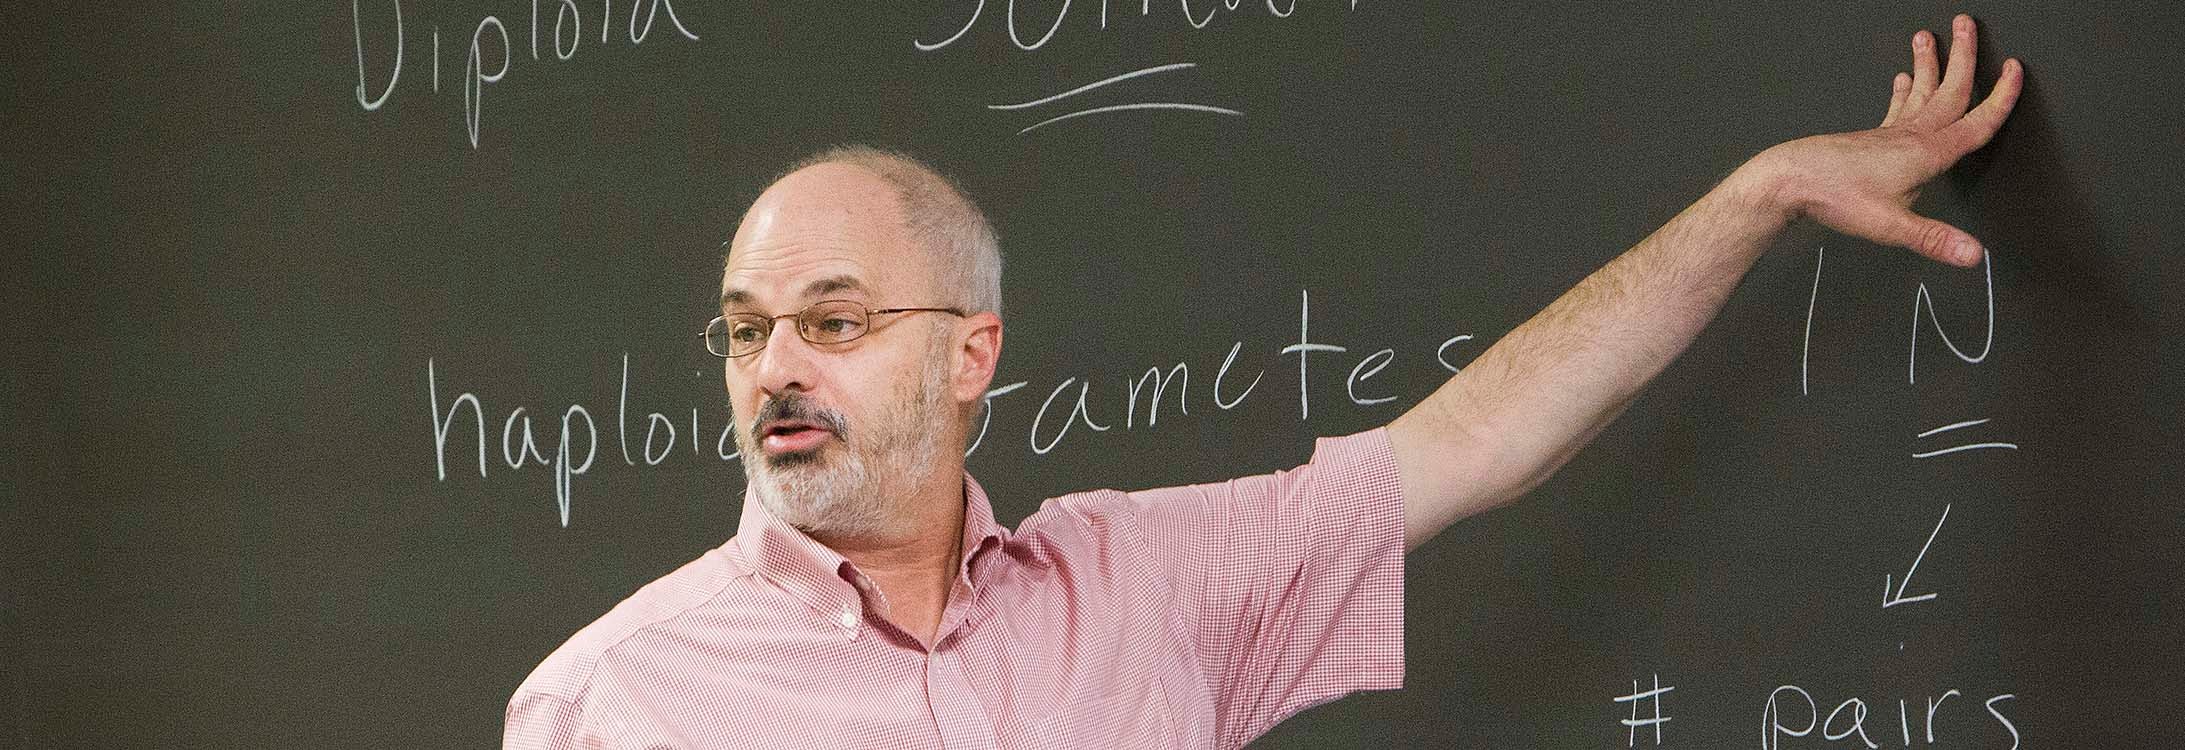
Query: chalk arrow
x,y
1891,600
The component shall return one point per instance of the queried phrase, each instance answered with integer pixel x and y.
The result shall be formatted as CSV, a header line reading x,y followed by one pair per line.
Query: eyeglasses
x,y
826,322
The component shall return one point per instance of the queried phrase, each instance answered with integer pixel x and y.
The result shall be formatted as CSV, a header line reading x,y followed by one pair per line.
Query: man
x,y
868,599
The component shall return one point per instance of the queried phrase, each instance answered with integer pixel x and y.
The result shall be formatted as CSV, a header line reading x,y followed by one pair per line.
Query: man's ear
x,y
978,356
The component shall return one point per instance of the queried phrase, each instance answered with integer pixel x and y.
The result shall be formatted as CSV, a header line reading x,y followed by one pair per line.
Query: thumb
x,y
1934,239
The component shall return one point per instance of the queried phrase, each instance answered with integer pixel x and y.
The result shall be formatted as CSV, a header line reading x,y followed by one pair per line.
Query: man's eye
x,y
745,332
838,324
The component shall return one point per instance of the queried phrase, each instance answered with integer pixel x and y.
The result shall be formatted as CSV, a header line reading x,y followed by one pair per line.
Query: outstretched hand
x,y
1863,183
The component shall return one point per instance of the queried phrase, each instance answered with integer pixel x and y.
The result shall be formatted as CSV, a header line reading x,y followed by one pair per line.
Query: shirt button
x,y
849,619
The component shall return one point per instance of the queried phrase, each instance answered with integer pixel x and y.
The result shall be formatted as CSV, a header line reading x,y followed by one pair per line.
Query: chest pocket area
x,y
1129,711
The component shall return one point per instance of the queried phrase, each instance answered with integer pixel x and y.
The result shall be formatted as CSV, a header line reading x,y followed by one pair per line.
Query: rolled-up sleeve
x,y
1290,584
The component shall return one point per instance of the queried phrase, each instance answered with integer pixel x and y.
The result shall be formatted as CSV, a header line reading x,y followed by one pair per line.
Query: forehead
x,y
826,231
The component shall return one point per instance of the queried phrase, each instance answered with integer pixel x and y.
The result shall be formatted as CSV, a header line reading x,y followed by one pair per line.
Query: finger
x,y
1923,69
1899,88
1978,126
1956,88
1931,238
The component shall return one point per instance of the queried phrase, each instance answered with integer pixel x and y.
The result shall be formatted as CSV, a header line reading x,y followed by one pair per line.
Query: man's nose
x,y
786,362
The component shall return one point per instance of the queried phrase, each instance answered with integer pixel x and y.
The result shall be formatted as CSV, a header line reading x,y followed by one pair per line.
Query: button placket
x,y
957,710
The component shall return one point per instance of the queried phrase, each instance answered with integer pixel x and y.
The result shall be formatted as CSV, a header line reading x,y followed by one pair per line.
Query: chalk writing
x,y
1087,400
1967,447
494,50
1188,10
1302,349
1113,107
1631,725
1779,714
1778,717
1805,348
1891,600
1063,409
1921,299
520,447
987,420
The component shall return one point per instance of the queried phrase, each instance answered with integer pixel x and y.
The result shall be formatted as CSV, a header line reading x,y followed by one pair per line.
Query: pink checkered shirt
x,y
1194,616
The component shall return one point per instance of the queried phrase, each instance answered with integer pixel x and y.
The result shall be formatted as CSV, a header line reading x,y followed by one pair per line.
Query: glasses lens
x,y
717,337
736,335
832,322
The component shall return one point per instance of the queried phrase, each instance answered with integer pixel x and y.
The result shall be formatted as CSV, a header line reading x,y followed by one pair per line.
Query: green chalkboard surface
x,y
294,281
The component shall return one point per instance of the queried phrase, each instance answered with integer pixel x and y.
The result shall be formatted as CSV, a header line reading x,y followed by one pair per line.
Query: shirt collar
x,y
981,533
823,579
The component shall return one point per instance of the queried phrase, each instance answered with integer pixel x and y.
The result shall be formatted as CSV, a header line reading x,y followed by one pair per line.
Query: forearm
x,y
1526,405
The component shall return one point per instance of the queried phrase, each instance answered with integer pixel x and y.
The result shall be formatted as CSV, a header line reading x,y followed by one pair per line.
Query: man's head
x,y
834,437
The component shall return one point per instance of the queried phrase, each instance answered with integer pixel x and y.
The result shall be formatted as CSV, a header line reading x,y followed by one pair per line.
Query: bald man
x,y
869,599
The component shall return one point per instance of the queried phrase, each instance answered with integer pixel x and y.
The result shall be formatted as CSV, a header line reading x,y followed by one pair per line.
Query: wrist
x,y
1763,187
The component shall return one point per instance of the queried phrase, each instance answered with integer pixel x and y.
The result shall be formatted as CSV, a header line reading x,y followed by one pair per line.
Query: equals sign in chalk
x,y
1208,108
1966,447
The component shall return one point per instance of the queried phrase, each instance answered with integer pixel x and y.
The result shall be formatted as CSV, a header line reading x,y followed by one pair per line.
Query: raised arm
x,y
1528,403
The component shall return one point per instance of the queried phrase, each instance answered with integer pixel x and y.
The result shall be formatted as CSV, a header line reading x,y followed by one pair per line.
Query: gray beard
x,y
857,489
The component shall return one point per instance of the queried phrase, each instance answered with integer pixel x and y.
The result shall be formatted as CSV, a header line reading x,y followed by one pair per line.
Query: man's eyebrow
x,y
832,284
820,288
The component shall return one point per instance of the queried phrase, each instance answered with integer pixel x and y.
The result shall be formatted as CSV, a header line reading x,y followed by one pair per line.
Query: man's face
x,y
833,436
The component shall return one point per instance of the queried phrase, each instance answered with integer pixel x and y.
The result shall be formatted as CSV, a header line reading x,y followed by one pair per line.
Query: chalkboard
x,y
290,274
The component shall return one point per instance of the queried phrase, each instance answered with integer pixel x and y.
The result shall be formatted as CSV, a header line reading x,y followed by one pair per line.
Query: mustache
x,y
801,409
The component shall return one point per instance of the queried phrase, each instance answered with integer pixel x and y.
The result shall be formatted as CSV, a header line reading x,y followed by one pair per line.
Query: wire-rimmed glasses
x,y
825,322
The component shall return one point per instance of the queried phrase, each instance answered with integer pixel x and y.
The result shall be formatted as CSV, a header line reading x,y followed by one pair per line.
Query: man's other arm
x,y
1526,405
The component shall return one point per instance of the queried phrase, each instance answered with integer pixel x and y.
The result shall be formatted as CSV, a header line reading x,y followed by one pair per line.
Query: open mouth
x,y
787,436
